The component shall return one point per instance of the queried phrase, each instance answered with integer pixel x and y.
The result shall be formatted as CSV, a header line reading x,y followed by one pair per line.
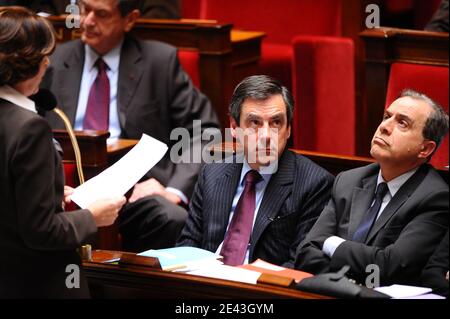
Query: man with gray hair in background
x,y
112,81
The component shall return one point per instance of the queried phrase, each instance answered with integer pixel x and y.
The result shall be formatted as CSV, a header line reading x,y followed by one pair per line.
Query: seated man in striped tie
x,y
262,202
384,220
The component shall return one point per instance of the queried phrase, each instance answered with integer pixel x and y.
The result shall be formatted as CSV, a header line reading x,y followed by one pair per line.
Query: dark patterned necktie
x,y
369,218
238,235
97,110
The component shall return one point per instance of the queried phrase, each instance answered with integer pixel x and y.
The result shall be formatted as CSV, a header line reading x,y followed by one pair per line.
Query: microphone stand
x,y
74,142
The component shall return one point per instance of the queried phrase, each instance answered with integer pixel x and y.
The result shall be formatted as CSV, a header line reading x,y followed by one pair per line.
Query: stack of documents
x,y
183,258
408,292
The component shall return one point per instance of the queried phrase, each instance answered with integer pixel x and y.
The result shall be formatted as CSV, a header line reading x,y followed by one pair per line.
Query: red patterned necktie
x,y
238,235
97,110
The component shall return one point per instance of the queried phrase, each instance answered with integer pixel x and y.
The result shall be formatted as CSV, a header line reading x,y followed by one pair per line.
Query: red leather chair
x,y
70,179
281,20
189,60
190,9
324,92
430,80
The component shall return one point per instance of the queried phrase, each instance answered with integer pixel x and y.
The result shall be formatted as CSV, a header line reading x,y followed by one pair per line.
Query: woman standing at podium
x,y
38,240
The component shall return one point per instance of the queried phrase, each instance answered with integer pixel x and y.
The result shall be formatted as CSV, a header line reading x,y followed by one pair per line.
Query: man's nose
x,y
386,126
264,132
88,18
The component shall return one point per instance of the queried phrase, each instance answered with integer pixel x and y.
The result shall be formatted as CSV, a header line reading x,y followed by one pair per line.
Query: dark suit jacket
x,y
37,239
433,276
402,238
154,96
292,201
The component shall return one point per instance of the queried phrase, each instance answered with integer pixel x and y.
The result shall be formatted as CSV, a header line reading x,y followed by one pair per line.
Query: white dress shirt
x,y
12,95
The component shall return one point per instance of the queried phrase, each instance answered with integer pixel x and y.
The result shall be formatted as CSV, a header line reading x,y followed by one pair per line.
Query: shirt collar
x,y
112,58
246,168
395,184
11,95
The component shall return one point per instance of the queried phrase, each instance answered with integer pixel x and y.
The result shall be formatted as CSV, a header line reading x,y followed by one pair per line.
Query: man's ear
x,y
427,148
130,20
233,126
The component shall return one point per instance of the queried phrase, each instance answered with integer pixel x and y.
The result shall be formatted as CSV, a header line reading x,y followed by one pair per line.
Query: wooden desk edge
x,y
270,290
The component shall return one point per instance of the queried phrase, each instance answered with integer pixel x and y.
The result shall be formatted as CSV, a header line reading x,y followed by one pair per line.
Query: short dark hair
x,y
259,87
436,125
25,39
126,6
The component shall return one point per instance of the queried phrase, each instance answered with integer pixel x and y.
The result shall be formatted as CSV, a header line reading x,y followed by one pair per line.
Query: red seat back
x,y
189,60
280,19
324,91
71,179
190,9
430,80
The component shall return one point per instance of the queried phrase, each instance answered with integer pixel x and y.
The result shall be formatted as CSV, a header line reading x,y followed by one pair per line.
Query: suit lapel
x,y
361,200
70,81
225,190
278,189
398,200
130,73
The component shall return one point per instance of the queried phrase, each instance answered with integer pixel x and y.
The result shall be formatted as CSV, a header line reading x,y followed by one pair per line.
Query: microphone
x,y
45,101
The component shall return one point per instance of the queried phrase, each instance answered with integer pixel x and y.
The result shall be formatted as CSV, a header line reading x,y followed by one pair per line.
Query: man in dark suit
x,y
152,9
263,203
435,274
394,232
148,93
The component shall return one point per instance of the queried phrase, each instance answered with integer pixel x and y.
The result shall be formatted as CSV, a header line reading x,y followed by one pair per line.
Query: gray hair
x,y
126,6
259,87
436,126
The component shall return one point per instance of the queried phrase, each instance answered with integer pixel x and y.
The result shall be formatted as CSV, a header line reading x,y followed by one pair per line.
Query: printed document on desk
x,y
119,178
182,258
227,273
403,291
268,268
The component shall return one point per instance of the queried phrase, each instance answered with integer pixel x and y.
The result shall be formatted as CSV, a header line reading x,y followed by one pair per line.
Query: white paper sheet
x,y
117,179
402,291
262,264
227,273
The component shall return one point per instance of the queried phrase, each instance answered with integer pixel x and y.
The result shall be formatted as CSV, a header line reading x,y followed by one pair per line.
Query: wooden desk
x,y
226,56
118,148
384,46
114,281
333,163
96,152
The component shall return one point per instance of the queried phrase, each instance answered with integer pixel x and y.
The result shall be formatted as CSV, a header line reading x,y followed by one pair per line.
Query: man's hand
x,y
152,187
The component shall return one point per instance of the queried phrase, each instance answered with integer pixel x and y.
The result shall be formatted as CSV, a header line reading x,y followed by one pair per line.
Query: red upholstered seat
x,y
281,20
71,175
190,62
324,91
71,179
430,80
190,9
